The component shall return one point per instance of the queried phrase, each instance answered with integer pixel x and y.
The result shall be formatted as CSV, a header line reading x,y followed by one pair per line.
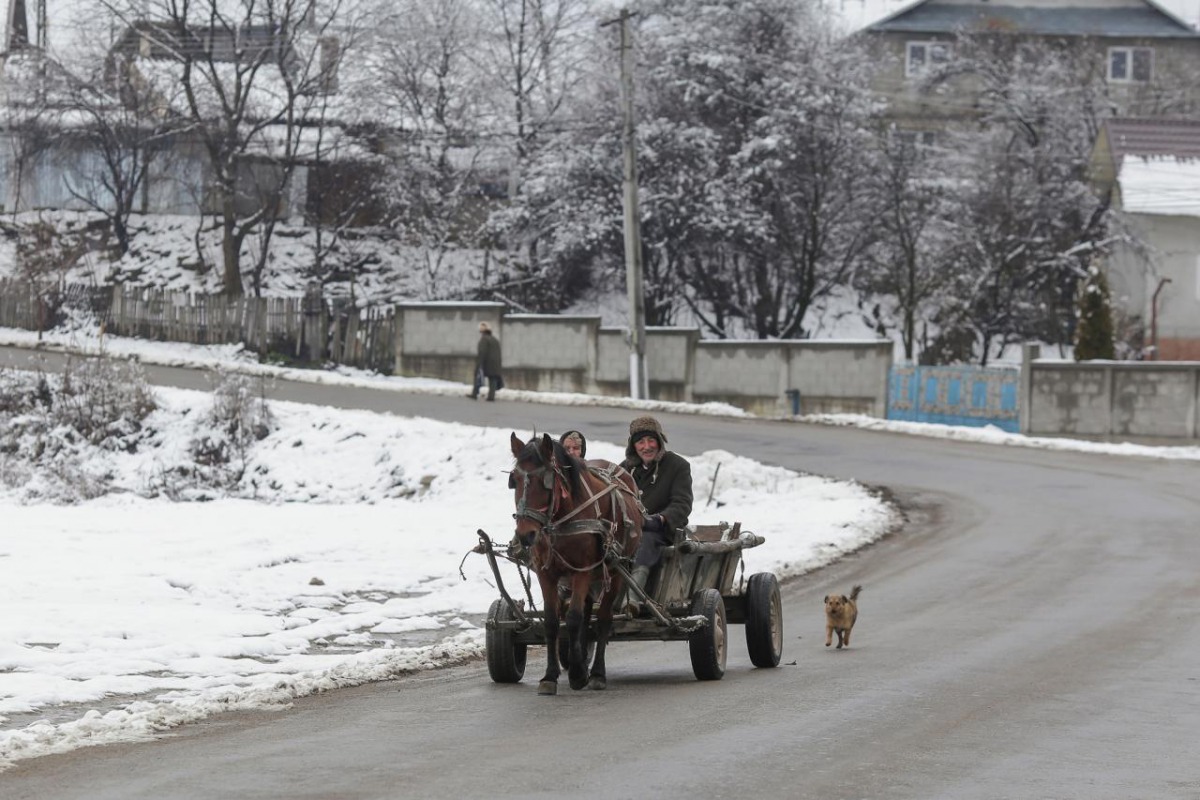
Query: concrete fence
x,y
563,353
549,353
1110,398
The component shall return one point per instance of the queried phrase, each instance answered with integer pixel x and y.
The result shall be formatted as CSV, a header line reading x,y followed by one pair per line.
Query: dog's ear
x,y
826,598
845,599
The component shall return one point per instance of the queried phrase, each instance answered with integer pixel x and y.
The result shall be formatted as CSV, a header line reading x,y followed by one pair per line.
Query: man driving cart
x,y
664,481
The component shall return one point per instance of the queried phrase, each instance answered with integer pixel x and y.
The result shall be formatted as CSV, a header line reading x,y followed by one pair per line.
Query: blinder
x,y
540,516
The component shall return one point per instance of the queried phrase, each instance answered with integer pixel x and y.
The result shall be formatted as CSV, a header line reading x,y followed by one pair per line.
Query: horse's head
x,y
544,481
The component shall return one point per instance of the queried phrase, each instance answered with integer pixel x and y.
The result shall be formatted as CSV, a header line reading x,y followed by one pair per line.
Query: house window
x,y
1198,279
331,55
1130,64
924,56
916,139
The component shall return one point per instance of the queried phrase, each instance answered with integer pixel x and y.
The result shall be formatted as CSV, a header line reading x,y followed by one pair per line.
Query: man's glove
x,y
653,523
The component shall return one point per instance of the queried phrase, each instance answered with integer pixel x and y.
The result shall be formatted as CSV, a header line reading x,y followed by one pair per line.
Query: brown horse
x,y
574,518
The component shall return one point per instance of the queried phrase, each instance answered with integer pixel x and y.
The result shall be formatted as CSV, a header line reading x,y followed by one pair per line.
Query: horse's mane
x,y
573,468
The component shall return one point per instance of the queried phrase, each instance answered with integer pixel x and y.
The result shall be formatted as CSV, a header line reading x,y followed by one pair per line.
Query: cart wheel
x,y
505,656
708,644
564,644
764,620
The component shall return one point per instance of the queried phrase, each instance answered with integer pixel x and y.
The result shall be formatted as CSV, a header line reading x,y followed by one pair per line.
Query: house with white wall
x,y
1150,171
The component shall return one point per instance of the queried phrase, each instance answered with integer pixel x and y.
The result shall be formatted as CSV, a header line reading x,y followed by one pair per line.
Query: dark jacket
x,y
487,355
666,484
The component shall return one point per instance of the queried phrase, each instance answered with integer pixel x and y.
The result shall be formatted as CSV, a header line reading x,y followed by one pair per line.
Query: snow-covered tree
x,y
751,128
1094,334
533,56
777,113
1027,220
426,86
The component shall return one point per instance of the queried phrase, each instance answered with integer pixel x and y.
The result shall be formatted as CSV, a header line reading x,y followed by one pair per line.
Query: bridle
x,y
542,516
547,517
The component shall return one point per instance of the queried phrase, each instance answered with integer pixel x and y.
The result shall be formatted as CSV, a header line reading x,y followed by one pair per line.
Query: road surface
x,y
1033,631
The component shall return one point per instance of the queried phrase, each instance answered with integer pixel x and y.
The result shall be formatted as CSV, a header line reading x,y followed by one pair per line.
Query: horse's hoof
x,y
597,682
579,683
548,687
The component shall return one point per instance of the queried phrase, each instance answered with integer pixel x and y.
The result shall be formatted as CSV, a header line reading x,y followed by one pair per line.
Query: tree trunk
x,y
231,246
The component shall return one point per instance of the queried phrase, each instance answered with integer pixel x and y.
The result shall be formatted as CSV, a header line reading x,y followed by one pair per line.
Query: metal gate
x,y
974,396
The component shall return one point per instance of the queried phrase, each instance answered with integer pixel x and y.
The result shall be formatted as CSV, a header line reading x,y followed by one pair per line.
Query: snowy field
x,y
127,615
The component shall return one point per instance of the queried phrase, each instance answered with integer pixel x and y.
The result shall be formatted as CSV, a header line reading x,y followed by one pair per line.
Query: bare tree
x,y
905,271
427,85
245,78
536,57
538,61
118,124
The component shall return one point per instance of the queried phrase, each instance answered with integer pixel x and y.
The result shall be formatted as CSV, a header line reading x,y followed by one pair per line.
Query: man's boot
x,y
634,601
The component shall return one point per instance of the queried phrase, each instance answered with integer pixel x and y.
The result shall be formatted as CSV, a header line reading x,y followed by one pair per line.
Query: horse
x,y
574,517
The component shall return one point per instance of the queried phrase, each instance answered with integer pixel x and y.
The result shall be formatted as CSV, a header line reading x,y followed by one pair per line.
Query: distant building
x,y
1149,57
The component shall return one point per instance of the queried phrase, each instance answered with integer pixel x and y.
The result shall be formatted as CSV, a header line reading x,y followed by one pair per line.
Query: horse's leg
x,y
550,605
604,621
577,667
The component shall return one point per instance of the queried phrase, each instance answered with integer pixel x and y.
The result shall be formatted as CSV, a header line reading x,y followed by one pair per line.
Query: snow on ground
x,y
129,614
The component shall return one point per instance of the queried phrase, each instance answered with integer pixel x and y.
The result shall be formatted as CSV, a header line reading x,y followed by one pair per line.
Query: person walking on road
x,y
487,363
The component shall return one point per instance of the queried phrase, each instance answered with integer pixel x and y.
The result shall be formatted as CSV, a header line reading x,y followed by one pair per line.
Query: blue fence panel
x,y
974,396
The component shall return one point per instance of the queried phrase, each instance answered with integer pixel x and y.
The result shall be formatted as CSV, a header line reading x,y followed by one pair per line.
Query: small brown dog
x,y
841,612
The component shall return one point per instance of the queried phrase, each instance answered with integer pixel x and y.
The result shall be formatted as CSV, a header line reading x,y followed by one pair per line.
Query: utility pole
x,y
639,387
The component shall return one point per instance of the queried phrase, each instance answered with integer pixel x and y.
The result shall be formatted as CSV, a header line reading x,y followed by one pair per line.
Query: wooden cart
x,y
691,597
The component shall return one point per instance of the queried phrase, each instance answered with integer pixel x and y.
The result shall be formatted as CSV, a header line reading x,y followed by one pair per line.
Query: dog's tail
x,y
854,592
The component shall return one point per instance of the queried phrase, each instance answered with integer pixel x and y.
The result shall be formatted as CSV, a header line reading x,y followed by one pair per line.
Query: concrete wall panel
x,y
1069,398
1119,398
1152,404
741,369
547,342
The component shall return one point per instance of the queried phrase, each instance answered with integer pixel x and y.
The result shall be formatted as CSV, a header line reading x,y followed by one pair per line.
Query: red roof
x,y
1153,137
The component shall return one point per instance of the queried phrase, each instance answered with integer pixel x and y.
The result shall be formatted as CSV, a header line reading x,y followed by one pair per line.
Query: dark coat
x,y
665,486
487,355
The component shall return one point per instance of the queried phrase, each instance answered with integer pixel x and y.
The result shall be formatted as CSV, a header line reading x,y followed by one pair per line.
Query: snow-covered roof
x,y
1160,185
1111,18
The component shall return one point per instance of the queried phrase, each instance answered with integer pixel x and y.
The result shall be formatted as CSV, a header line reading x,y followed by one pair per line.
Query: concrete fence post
x,y
1110,380
1029,354
1194,416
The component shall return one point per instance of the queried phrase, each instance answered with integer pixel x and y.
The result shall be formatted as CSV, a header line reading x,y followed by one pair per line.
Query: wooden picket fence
x,y
309,329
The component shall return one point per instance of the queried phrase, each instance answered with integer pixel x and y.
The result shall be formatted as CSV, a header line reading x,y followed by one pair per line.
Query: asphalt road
x,y
1031,632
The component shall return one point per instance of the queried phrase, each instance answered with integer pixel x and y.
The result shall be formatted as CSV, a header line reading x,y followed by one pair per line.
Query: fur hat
x,y
485,328
643,426
582,441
